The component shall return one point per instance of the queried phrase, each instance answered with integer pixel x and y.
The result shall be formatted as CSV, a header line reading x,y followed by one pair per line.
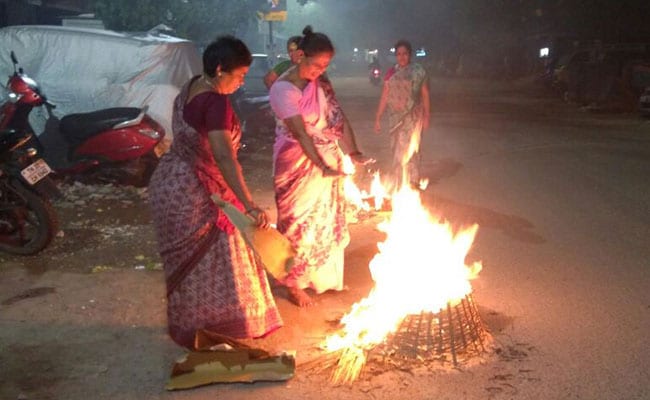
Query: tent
x,y
83,70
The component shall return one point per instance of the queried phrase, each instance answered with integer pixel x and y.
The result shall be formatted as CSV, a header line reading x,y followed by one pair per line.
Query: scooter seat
x,y
76,128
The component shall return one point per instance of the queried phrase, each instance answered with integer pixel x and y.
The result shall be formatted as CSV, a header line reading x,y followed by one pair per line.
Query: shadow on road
x,y
460,214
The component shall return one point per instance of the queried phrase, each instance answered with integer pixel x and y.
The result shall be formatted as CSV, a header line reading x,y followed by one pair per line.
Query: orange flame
x,y
360,198
352,192
419,268
377,191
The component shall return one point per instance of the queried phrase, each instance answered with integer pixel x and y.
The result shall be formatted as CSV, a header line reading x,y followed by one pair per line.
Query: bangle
x,y
355,153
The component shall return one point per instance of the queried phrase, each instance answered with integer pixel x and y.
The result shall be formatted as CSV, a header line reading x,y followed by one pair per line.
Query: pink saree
x,y
311,207
214,281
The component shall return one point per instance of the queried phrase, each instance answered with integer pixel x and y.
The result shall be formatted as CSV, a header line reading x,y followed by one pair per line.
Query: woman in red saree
x,y
214,281
307,169
406,93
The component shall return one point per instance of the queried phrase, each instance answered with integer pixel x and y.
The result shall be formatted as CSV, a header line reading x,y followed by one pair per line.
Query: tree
x,y
198,20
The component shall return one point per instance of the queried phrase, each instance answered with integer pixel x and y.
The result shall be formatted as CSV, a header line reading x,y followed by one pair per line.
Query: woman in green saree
x,y
406,95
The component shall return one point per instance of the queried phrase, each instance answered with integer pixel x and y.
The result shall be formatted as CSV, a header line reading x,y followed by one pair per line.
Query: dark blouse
x,y
205,112
209,111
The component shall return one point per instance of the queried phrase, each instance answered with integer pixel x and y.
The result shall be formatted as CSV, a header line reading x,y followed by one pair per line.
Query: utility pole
x,y
271,51
276,10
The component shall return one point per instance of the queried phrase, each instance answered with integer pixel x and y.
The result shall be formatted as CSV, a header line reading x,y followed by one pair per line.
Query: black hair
x,y
404,43
313,43
294,39
228,52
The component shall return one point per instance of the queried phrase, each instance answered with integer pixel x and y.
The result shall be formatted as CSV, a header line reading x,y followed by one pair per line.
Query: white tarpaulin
x,y
83,70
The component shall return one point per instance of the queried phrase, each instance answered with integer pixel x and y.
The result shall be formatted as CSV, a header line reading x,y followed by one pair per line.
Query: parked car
x,y
251,100
254,80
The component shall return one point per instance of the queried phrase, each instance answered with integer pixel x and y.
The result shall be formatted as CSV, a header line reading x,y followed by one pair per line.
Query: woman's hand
x,y
327,171
360,159
259,217
377,126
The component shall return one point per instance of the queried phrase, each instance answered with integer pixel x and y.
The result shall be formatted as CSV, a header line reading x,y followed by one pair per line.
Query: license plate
x,y
36,171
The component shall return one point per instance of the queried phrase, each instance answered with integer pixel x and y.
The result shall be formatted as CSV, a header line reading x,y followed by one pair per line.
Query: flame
x,y
419,268
353,194
413,146
424,183
348,166
377,191
360,198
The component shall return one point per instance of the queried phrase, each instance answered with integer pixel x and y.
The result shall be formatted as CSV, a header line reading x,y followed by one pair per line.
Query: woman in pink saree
x,y
307,169
406,93
214,281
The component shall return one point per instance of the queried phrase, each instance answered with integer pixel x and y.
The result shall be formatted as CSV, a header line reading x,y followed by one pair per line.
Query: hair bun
x,y
308,30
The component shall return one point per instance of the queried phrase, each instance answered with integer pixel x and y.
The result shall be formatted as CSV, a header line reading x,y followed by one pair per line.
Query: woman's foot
x,y
299,297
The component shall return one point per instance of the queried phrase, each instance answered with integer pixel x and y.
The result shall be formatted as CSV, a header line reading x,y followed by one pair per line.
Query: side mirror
x,y
14,60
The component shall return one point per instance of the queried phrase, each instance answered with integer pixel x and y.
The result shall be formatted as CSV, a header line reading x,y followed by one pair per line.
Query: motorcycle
x,y
27,220
375,76
113,144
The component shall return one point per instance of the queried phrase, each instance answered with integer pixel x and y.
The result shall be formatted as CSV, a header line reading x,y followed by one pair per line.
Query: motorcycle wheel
x,y
27,221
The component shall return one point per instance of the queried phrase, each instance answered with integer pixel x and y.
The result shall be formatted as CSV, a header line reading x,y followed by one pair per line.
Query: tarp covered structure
x,y
83,70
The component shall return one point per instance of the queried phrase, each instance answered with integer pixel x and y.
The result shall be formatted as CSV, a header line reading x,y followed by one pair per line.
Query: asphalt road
x,y
562,198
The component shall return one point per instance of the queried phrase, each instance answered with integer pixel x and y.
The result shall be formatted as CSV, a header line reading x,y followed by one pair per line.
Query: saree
x,y
214,281
311,207
405,121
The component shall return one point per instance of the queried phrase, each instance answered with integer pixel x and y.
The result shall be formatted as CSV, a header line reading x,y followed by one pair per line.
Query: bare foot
x,y
299,297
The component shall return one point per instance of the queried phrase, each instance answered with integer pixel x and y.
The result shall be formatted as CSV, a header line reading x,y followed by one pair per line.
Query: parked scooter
x,y
112,145
27,220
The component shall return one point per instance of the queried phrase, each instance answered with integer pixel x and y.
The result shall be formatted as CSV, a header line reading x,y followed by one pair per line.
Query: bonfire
x,y
419,269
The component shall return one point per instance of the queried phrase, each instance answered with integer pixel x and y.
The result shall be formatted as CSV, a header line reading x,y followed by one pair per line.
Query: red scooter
x,y
111,145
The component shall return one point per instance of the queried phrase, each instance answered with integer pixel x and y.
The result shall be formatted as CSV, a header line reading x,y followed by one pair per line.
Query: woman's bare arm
x,y
296,126
269,78
224,156
348,141
382,106
426,103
